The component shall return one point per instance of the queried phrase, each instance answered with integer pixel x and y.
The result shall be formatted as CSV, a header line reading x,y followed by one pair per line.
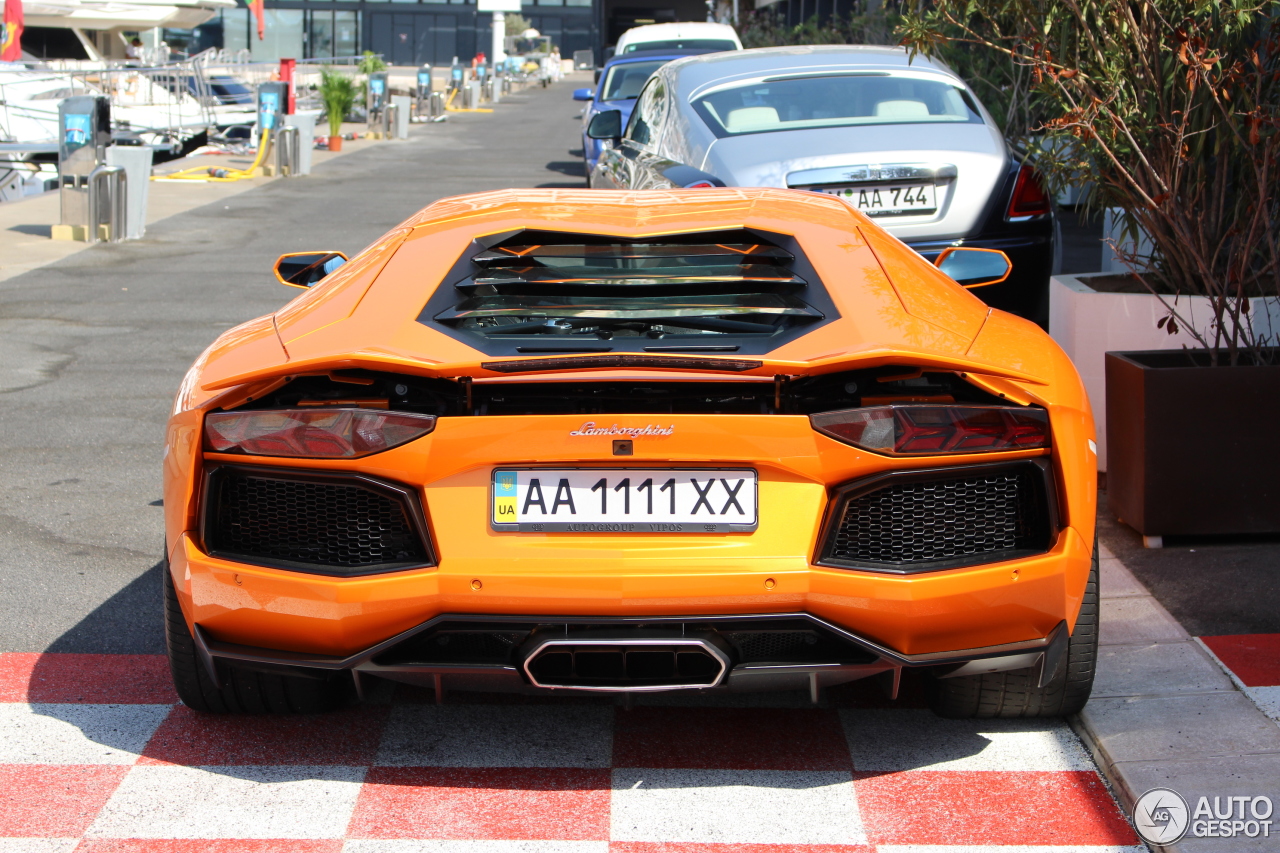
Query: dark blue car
x,y
617,87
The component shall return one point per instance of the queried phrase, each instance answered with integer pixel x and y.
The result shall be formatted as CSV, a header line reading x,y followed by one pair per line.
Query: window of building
x,y
235,29
283,37
332,34
346,33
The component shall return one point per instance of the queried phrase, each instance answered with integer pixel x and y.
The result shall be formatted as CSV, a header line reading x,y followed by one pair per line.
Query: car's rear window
x,y
682,44
717,290
833,100
231,91
624,82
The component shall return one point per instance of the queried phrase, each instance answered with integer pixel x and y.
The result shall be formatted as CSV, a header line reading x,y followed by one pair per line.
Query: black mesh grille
x,y
335,525
991,515
452,645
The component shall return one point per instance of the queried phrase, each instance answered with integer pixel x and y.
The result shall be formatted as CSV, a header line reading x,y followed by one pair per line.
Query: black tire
x,y
1016,693
241,691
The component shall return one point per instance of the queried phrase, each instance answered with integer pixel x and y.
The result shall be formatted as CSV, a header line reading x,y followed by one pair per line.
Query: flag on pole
x,y
11,36
259,13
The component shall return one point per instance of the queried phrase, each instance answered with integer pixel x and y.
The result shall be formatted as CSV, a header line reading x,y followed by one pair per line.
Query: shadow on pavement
x,y
572,168
34,230
113,626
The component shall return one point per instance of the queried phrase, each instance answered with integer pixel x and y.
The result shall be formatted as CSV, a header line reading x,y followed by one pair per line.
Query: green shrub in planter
x,y
338,95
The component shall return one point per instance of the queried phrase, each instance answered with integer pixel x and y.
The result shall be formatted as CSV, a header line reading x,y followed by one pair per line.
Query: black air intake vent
x,y
344,525
633,269
715,291
938,519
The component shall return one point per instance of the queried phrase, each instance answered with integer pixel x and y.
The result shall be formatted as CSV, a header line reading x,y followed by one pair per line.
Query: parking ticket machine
x,y
376,103
272,102
84,132
457,77
422,94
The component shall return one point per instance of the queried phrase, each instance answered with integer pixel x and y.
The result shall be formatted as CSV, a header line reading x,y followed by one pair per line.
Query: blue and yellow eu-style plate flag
x,y
504,496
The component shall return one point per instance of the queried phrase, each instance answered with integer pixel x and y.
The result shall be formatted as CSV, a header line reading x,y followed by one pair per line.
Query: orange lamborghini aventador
x,y
556,440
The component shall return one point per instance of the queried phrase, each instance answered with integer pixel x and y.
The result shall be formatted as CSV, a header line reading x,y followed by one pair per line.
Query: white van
x,y
697,35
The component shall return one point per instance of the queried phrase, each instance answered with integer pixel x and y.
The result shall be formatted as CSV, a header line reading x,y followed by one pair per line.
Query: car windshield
x,y
600,291
833,100
682,44
624,82
231,91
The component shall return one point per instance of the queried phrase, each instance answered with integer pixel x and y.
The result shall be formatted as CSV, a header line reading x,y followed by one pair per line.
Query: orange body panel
x,y
894,309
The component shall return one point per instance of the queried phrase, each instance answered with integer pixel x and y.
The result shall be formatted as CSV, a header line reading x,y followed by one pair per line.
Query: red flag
x,y
259,13
11,37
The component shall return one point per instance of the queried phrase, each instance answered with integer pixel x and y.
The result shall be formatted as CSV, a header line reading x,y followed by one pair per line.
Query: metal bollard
x,y
287,143
389,115
435,107
117,203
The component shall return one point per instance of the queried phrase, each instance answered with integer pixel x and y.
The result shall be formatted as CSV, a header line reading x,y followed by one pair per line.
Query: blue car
x,y
618,85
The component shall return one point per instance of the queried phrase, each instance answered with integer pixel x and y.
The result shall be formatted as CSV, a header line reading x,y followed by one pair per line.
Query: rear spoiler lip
x,y
768,368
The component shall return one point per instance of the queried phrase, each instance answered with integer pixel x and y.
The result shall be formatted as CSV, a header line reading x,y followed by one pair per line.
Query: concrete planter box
x,y
1088,323
1191,445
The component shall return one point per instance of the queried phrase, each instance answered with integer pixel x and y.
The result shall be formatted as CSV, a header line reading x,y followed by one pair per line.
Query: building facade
x,y
405,32
418,32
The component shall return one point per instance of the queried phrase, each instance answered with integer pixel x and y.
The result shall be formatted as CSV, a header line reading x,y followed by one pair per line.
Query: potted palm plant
x,y
338,95
1171,108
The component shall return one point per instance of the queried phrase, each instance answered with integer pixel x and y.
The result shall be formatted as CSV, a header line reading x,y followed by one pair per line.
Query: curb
x,y
1165,713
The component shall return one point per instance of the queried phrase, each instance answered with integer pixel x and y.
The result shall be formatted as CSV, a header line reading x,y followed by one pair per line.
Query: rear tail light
x,y
323,433
923,430
699,185
1029,198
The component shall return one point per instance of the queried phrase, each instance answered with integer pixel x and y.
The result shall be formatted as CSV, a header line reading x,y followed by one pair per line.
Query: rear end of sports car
x,y
629,490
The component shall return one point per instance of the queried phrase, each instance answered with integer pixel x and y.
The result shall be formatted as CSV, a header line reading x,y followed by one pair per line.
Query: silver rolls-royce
x,y
902,139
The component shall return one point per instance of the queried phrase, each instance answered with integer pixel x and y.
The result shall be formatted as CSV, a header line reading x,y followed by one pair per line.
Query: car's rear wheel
x,y
240,691
1017,693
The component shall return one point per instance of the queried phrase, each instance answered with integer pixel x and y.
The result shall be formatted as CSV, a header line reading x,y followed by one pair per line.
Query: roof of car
x,y
697,71
650,55
675,29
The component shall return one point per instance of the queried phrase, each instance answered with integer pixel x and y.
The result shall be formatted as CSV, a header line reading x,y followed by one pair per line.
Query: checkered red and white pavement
x,y
97,756
1254,662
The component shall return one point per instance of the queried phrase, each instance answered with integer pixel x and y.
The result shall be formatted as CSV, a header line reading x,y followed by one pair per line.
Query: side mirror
x,y
583,94
606,125
974,267
303,269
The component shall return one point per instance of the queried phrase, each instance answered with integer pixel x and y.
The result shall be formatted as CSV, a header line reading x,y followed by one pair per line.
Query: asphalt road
x,y
93,347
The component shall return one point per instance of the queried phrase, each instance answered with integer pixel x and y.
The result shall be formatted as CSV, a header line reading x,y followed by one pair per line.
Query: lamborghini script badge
x,y
590,428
